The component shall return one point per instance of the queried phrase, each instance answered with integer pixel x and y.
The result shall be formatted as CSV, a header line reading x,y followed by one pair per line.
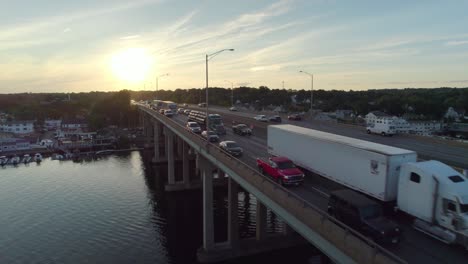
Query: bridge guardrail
x,y
348,240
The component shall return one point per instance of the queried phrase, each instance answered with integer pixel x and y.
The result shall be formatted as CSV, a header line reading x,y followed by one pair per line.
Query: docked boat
x,y
57,157
38,157
14,160
26,158
3,160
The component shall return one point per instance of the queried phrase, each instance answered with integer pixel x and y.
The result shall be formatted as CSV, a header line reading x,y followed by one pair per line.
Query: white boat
x,y
14,160
26,158
57,157
38,157
3,160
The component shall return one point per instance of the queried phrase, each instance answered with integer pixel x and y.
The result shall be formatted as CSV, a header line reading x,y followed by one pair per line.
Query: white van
x,y
381,127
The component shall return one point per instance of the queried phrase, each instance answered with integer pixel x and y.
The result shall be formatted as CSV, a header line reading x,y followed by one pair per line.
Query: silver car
x,y
193,127
210,135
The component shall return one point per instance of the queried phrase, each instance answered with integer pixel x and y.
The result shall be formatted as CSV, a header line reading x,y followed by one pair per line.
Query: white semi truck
x,y
433,193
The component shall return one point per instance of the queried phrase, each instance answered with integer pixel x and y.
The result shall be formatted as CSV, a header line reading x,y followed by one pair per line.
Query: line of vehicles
x,y
15,159
432,194
377,177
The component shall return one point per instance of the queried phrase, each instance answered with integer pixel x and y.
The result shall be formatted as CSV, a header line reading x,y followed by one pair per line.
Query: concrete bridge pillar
x,y
287,230
180,147
185,163
233,217
157,130
208,221
170,156
261,221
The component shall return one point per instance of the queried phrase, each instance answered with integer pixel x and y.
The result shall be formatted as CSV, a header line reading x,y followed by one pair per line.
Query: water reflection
x,y
110,210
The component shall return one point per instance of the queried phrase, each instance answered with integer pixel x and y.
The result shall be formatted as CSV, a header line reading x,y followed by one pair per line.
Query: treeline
x,y
100,109
431,103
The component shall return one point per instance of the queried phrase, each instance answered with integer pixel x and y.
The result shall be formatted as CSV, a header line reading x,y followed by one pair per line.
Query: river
x,y
113,210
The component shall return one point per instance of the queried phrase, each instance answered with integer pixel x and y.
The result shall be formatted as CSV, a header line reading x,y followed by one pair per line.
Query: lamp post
x,y
157,81
208,57
232,92
311,87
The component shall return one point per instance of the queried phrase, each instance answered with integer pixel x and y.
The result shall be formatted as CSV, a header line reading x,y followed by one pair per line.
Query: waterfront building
x,y
17,127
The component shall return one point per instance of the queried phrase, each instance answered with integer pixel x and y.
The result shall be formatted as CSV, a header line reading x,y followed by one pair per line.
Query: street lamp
x,y
157,81
232,92
311,87
208,57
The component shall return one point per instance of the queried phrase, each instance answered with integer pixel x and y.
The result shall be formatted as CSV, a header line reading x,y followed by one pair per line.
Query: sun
x,y
131,65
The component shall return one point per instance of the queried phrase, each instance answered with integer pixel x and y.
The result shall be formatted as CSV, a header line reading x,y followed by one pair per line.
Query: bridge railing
x,y
352,243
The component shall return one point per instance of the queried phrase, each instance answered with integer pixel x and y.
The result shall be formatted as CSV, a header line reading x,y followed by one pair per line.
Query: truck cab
x,y
364,215
282,170
441,200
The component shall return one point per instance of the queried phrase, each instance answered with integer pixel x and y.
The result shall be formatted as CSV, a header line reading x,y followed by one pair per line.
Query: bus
x,y
215,121
159,104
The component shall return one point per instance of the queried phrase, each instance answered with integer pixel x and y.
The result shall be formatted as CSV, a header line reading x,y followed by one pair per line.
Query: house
x,y
344,114
17,127
74,124
14,144
52,124
378,117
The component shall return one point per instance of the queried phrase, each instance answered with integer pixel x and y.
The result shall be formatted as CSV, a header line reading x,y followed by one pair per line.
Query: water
x,y
112,210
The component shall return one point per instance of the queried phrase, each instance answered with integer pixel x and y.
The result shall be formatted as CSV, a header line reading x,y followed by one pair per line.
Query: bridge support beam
x,y
157,130
185,164
233,217
261,222
170,156
180,148
208,221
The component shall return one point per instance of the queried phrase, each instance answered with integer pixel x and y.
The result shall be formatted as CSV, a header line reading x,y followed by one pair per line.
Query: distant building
x,y
424,128
17,127
13,144
344,114
404,126
52,124
74,124
378,117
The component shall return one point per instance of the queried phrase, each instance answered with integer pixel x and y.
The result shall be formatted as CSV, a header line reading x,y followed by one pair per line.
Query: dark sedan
x,y
242,130
296,117
276,119
231,147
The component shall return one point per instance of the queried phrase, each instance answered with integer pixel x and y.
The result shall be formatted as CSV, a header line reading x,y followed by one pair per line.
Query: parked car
x,y
233,108
180,110
296,117
161,111
364,215
187,111
193,127
211,136
202,105
231,147
276,119
261,118
185,105
282,170
242,129
168,113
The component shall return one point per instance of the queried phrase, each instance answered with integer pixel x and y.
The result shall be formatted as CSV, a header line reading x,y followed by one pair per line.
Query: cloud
x,y
130,37
456,43
66,30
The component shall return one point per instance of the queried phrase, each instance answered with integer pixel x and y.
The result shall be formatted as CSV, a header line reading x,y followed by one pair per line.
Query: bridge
x,y
339,242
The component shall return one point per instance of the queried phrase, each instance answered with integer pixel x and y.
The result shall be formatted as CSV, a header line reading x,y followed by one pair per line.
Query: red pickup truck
x,y
281,169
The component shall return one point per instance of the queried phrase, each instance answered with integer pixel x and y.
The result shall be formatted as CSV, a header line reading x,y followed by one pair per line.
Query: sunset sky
x,y
87,45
